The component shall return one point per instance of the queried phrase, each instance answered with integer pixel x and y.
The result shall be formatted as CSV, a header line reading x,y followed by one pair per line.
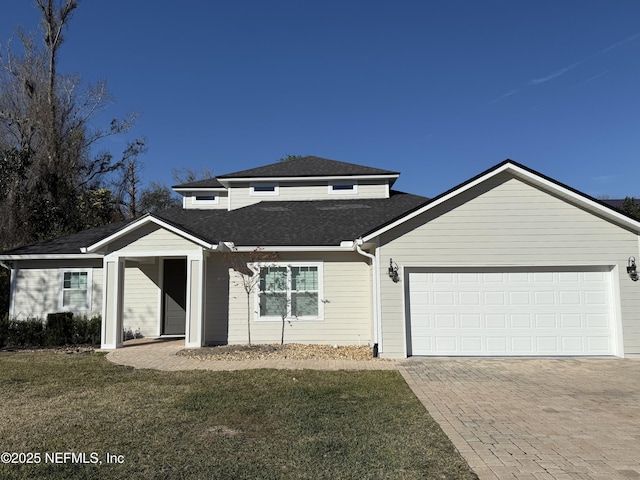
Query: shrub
x,y
59,328
28,332
4,330
128,334
91,328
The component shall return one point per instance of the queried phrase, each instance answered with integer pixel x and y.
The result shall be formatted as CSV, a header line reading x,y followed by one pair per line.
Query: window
x,y
75,294
205,199
292,291
343,187
264,189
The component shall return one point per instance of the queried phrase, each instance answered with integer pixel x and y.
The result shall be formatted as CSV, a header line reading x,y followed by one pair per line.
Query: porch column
x,y
113,289
194,331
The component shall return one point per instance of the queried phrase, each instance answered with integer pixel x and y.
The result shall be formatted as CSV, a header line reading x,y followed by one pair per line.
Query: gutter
x,y
376,289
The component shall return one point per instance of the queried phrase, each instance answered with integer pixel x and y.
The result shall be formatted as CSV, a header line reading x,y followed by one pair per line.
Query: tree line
x,y
52,180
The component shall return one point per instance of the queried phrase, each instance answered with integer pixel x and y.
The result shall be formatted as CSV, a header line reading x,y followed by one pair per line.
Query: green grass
x,y
257,424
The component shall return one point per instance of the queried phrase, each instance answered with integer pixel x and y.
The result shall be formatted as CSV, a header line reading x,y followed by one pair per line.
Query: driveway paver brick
x,y
536,418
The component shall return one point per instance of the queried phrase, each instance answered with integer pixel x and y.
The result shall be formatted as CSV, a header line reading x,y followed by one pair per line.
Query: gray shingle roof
x,y
308,167
206,183
302,223
69,244
286,223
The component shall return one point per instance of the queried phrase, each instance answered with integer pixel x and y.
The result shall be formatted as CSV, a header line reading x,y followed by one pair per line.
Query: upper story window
x,y
264,189
75,294
205,199
343,187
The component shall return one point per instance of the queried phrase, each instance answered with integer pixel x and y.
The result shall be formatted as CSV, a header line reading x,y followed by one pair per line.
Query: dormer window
x,y
205,198
343,188
265,189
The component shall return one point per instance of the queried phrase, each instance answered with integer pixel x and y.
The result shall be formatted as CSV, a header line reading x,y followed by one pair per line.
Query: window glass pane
x,y
75,280
273,304
75,299
75,290
304,278
264,188
205,198
273,279
343,187
304,304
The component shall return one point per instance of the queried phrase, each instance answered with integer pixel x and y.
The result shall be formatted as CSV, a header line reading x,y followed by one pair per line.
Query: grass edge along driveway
x,y
80,417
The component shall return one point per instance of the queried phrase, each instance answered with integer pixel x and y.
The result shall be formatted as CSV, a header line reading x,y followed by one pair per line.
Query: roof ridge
x,y
308,166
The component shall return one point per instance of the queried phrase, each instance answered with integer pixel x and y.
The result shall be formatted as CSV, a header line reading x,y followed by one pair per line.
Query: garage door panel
x,y
545,320
511,313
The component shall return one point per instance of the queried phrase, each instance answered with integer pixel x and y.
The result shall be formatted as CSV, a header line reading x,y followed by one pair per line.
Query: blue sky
x,y
438,90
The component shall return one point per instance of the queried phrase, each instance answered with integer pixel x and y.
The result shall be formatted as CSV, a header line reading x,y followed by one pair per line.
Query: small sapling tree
x,y
247,266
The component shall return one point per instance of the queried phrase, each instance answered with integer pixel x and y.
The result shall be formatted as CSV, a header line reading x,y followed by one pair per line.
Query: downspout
x,y
375,278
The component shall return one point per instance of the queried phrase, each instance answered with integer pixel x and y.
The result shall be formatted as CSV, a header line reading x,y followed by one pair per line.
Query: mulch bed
x,y
293,351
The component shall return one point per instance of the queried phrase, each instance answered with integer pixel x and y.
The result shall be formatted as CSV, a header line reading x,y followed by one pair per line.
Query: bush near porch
x,y
59,329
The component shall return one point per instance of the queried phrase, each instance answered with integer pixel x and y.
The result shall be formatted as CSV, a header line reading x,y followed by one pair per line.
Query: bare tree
x,y
46,135
128,183
187,175
247,265
156,197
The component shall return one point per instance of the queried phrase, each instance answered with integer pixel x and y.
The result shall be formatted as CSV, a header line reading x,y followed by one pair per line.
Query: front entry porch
x,y
166,293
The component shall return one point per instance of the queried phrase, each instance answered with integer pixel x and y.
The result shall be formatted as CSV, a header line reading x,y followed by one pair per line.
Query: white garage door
x,y
516,312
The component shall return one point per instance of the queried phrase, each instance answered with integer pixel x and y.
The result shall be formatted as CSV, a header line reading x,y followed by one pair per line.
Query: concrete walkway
x,y
525,419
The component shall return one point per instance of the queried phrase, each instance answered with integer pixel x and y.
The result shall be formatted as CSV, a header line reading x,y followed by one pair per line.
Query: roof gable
x,y
145,220
520,171
309,166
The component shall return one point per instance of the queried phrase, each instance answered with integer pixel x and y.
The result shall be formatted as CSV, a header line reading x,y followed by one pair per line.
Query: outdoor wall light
x,y
393,271
631,269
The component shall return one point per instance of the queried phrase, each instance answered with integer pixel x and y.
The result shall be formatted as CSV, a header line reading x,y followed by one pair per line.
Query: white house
x,y
508,263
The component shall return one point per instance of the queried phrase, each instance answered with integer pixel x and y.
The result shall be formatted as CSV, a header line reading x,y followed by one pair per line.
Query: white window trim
x,y
351,191
195,201
254,193
89,272
290,318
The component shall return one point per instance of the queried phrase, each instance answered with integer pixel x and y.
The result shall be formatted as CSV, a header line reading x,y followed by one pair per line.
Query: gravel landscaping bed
x,y
294,351
66,349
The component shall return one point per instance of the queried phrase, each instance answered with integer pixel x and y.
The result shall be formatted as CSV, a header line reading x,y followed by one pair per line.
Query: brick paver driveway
x,y
536,418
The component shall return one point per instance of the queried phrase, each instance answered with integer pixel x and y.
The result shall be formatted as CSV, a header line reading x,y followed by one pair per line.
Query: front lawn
x,y
255,424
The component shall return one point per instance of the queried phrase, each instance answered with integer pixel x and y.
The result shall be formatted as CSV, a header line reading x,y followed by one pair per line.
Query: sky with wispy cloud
x,y
438,90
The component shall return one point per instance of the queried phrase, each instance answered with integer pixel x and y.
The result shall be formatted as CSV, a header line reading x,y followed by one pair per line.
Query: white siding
x,y
189,203
152,238
347,307
506,222
240,194
141,292
37,285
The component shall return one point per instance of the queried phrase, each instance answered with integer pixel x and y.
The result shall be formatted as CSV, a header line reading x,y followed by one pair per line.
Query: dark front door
x,y
174,304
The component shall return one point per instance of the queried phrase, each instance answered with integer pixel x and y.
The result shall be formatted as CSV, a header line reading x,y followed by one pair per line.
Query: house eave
x,y
227,181
294,248
51,256
200,189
